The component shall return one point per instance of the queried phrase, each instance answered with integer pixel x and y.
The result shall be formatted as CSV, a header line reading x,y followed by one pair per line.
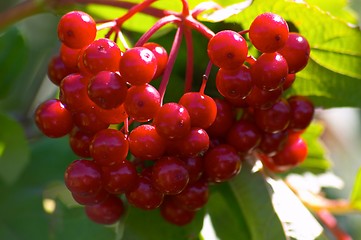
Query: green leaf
x,y
254,196
14,150
356,192
149,225
13,56
333,70
222,205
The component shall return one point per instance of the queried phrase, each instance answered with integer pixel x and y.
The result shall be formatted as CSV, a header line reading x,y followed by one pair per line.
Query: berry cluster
x,y
135,148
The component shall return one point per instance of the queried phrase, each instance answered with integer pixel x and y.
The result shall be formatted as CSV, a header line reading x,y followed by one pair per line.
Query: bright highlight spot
x,y
49,205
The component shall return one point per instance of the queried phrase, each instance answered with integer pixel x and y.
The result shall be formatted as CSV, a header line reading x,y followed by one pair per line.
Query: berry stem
x,y
331,223
190,59
160,23
185,11
171,60
201,28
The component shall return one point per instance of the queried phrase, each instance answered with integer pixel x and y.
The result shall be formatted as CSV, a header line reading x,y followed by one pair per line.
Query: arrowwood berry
x,y
194,166
244,136
172,121
145,195
160,54
224,119
227,49
76,29
194,196
107,89
83,177
201,108
145,143
138,65
120,178
70,57
221,163
107,212
53,119
57,70
170,175
302,111
291,77
89,121
79,142
268,32
109,147
275,118
235,83
102,55
99,197
263,99
175,214
271,143
296,52
111,116
269,71
142,102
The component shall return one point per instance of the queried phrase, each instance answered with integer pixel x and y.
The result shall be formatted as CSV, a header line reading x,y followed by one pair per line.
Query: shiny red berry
x,y
107,212
244,136
160,54
173,213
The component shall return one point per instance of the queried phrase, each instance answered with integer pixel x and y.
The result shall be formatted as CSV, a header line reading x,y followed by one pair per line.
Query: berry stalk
x,y
190,60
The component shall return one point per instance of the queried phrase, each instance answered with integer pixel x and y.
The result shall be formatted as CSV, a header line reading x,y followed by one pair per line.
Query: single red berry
x,y
235,83
145,143
142,102
268,32
263,99
112,116
194,166
107,89
120,178
290,79
172,121
102,55
221,163
227,49
83,177
160,54
296,52
70,57
194,196
170,175
99,197
175,214
57,70
201,108
138,65
224,119
275,118
89,121
269,71
271,143
302,110
107,212
109,147
53,119
145,195
244,136
76,29
79,142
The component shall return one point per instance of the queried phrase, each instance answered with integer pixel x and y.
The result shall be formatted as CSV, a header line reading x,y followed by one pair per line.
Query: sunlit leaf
x,y
356,192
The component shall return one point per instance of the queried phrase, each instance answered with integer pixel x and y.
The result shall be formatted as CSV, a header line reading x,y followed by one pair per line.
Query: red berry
x,y
138,65
107,89
145,143
145,195
194,166
244,136
269,71
79,142
120,178
109,147
57,70
263,99
160,54
291,77
172,121
235,83
102,55
76,29
142,102
89,121
170,175
53,119
194,196
112,116
296,52
201,108
83,177
221,163
302,110
275,118
107,212
268,32
99,197
70,57
272,143
224,119
175,214
227,49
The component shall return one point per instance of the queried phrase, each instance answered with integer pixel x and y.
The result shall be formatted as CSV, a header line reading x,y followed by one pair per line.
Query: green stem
x,y
19,12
